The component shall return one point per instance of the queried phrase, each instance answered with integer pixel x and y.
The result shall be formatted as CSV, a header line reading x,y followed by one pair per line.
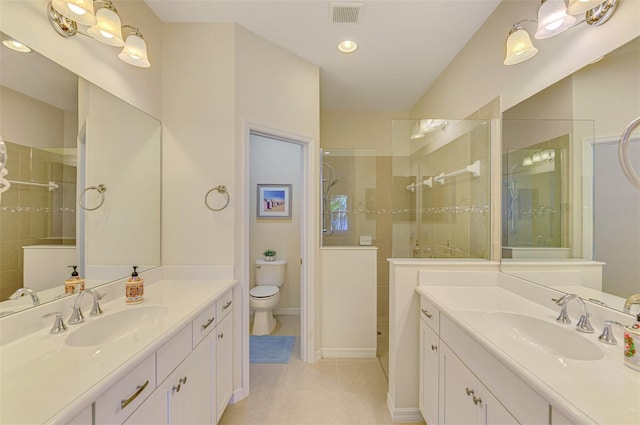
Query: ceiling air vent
x,y
344,13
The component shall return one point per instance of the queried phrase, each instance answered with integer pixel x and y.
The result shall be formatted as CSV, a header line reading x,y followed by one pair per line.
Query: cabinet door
x,y
459,389
224,364
429,383
490,411
189,388
153,411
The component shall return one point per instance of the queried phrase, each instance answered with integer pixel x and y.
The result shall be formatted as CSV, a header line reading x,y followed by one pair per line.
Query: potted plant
x,y
269,255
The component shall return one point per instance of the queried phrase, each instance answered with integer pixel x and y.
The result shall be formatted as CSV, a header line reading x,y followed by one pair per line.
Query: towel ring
x,y
221,189
623,153
101,189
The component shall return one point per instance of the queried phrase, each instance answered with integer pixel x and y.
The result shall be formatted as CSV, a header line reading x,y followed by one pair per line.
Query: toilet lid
x,y
263,291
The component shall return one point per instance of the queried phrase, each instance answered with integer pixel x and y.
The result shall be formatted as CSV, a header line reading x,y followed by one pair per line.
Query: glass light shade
x,y
519,47
135,52
80,11
553,19
108,29
581,6
17,46
527,161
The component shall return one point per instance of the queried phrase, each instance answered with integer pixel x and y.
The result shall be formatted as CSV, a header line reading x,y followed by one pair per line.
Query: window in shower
x,y
338,207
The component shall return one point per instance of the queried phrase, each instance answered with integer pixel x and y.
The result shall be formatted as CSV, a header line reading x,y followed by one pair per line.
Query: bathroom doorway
x,y
277,163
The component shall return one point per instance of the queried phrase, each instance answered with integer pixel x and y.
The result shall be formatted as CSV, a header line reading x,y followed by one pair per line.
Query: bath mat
x,y
270,349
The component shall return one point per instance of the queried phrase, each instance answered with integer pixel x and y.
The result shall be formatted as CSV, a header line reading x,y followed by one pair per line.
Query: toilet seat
x,y
263,291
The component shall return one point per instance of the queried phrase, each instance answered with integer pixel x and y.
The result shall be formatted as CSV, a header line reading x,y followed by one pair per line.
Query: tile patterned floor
x,y
328,392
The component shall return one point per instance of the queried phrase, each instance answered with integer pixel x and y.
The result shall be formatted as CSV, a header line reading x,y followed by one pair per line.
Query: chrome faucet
x,y
76,315
631,300
22,291
583,324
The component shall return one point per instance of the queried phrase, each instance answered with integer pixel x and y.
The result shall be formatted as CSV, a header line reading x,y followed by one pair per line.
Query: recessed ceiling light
x,y
348,46
17,46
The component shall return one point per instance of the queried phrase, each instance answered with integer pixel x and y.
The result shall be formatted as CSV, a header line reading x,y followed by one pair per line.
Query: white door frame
x,y
308,245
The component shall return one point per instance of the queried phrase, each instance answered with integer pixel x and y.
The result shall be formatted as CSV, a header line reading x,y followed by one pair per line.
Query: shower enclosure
x,y
429,199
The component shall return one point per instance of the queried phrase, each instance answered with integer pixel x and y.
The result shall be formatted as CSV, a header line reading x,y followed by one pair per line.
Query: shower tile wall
x,y
33,215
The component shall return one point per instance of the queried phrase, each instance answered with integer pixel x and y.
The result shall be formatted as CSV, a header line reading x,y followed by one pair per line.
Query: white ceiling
x,y
404,44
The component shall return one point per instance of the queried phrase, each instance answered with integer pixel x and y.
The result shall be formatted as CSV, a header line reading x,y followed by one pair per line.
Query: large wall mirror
x,y
83,169
570,218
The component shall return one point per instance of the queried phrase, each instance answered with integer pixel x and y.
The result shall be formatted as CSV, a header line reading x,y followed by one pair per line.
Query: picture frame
x,y
274,201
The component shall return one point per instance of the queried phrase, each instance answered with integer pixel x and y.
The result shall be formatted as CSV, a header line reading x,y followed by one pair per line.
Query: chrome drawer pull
x,y
210,321
477,400
426,313
469,391
140,389
434,347
221,336
226,306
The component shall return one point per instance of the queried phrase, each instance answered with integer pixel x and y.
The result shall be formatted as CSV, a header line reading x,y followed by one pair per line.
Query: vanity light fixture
x,y
16,45
519,45
425,126
554,17
348,46
104,26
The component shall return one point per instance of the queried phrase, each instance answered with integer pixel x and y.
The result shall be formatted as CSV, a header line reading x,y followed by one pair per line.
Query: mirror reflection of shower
x,y
327,184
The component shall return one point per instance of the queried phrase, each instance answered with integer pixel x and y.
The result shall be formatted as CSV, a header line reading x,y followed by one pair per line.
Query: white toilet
x,y
264,297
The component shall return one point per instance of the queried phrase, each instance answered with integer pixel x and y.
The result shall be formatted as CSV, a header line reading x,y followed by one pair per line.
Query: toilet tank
x,y
270,272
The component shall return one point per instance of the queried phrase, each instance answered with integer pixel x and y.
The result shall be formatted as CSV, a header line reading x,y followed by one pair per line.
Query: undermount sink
x,y
555,338
134,321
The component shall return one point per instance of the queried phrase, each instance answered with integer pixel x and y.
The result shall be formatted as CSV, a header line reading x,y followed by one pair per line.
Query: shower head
x,y
333,182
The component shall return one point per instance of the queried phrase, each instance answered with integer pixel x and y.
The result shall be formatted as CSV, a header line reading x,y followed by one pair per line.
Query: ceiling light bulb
x,y
519,46
348,46
553,19
80,11
17,46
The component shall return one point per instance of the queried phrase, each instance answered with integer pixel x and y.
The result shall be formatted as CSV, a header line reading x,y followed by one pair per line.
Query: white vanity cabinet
x,y
465,400
223,347
462,383
429,363
195,390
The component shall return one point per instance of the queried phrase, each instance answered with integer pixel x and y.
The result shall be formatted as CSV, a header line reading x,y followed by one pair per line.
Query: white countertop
x,y
602,391
44,380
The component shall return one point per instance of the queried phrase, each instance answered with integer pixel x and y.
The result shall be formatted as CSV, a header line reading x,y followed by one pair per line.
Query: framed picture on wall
x,y
274,201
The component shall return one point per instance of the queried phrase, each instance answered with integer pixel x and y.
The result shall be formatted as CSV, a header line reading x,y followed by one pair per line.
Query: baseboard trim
x,y
348,353
404,414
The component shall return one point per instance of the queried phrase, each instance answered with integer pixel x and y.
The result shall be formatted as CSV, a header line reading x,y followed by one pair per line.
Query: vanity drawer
x,y
224,304
173,352
204,323
430,314
119,401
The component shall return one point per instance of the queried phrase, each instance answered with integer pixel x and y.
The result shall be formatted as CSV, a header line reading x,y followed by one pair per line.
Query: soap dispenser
x,y
632,344
134,288
74,282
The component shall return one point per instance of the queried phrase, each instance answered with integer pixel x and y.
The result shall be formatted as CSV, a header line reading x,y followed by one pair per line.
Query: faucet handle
x,y
58,325
76,316
584,325
607,335
96,310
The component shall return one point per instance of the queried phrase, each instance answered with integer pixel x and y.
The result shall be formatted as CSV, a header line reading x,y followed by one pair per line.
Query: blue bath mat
x,y
270,349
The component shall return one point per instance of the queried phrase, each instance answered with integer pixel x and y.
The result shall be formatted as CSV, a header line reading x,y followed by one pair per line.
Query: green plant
x,y
269,253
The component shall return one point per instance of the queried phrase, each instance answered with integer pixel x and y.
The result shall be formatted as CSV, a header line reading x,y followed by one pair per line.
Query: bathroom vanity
x,y
491,356
166,360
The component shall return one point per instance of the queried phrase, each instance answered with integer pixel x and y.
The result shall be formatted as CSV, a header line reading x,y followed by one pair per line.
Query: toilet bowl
x,y
264,297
